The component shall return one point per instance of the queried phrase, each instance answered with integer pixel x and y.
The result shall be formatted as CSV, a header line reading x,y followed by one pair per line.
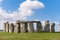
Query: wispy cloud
x,y
22,12
1,1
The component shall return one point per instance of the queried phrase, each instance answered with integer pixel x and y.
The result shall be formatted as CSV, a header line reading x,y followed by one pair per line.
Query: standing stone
x,y
24,27
30,27
47,26
11,28
7,27
17,27
39,27
52,27
4,27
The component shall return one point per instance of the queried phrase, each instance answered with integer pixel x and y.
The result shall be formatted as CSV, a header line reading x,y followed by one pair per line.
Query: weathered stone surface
x,y
47,26
7,27
24,27
17,27
11,28
30,27
27,26
52,27
4,27
39,27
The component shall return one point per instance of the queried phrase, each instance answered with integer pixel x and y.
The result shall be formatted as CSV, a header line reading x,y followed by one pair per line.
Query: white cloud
x,y
31,0
36,20
57,26
22,13
56,22
28,0
25,13
1,1
26,7
31,5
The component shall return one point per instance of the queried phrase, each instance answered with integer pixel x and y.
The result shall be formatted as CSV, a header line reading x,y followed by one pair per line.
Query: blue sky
x,y
11,5
51,10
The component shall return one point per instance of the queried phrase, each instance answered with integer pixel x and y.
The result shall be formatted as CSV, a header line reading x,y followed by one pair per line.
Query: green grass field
x,y
29,36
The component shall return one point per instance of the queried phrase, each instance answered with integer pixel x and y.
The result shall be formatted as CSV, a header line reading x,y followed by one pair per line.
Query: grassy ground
x,y
29,36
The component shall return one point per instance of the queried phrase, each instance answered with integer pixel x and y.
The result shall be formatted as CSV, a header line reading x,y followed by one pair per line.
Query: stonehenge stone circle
x,y
28,26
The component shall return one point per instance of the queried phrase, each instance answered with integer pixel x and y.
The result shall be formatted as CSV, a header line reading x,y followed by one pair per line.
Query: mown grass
x,y
29,36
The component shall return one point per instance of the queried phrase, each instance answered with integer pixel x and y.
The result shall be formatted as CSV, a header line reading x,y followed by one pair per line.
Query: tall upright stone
x,y
52,27
47,26
39,27
7,27
30,27
24,27
4,27
17,27
11,28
